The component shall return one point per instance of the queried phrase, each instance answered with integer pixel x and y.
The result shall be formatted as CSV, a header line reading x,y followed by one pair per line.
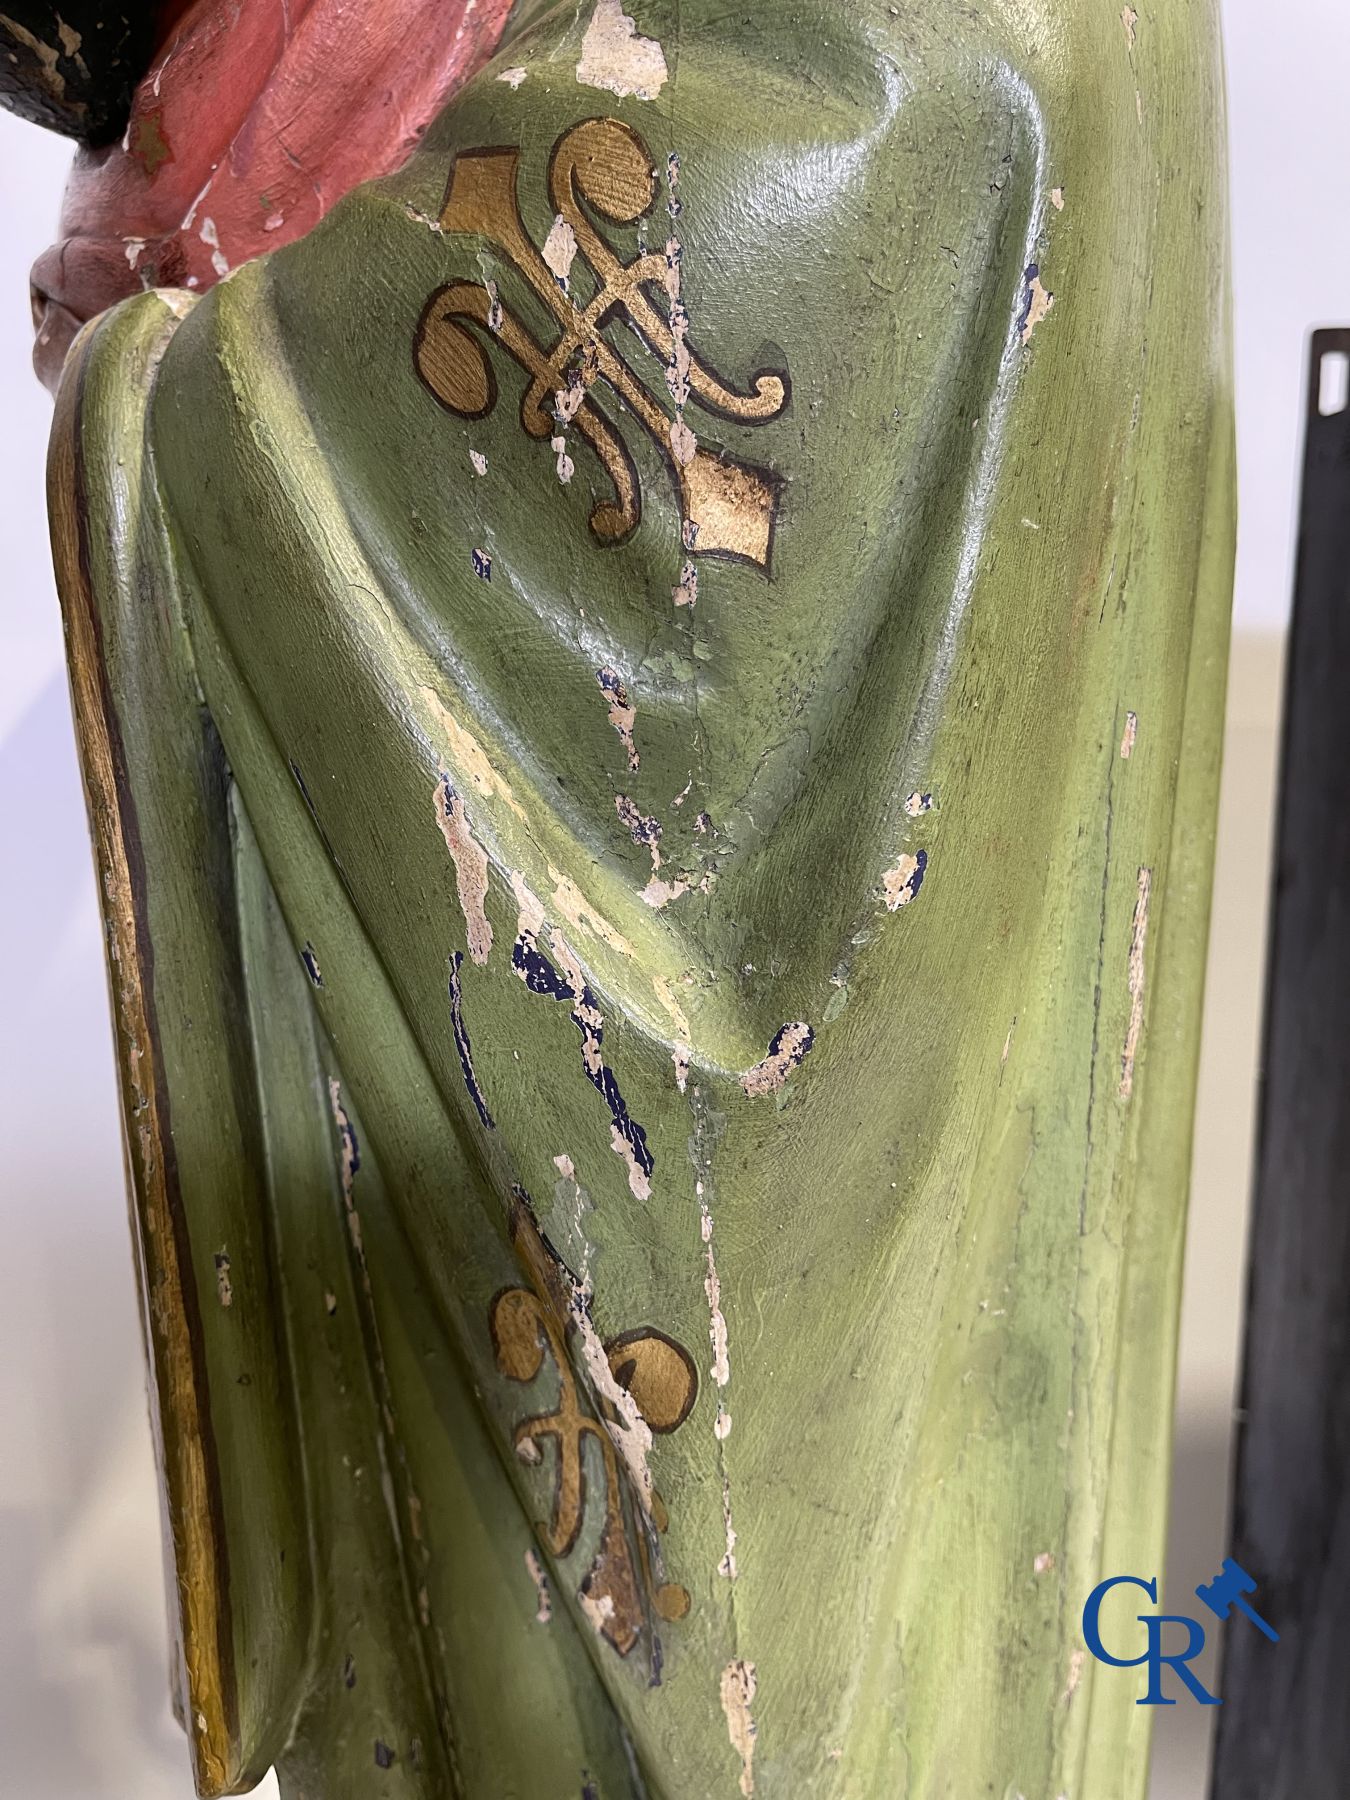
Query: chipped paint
x,y
683,443
659,892
727,1567
1043,1563
639,1373
1036,302
567,401
622,713
1057,198
1076,1661
224,1289
666,995
513,77
468,755
1131,732
615,59
1129,18
495,312
1138,936
572,1201
479,462
718,1339
174,300
686,594
560,251
349,1154
530,910
642,828
578,911
620,1139
563,466
418,217
599,1611
462,1044
47,55
791,1043
627,1137
629,1432
717,1325
543,1611
471,867
482,564
737,1689
918,803
311,962
680,1057
207,232
902,883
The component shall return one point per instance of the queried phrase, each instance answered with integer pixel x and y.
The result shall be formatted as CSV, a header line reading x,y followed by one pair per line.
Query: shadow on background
x,y
84,1709
1197,1543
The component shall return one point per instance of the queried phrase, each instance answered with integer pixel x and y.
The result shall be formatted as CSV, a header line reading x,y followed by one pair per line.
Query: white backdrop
x,y
82,1658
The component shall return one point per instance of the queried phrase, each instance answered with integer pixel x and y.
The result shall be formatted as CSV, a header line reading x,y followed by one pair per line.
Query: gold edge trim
x,y
180,1446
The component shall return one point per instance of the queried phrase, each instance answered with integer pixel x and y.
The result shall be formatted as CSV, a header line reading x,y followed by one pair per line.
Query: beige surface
x,y
1216,1238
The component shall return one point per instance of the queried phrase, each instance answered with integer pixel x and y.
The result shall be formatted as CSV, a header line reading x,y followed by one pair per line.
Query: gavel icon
x,y
1225,1592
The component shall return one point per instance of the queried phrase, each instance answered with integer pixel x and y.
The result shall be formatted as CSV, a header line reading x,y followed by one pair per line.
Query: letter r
x,y
1195,1643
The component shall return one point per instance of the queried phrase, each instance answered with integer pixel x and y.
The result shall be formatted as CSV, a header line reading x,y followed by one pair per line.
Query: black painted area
x,y
540,977
1284,1730
72,65
462,1043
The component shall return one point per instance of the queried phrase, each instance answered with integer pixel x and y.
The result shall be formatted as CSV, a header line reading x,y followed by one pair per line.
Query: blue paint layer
x,y
462,1043
540,977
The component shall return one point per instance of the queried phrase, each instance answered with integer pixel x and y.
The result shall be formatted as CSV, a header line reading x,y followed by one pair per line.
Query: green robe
x,y
651,714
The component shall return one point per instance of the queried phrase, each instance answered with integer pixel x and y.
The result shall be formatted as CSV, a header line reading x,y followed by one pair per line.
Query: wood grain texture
x,y
770,955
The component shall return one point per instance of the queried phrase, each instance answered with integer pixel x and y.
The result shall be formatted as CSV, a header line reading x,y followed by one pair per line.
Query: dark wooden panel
x,y
1284,1731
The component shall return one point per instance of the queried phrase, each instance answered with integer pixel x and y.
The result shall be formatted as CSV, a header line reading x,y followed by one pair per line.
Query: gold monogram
x,y
729,507
660,1376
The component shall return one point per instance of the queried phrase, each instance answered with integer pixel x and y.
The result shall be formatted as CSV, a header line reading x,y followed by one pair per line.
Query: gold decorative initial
x,y
527,1324
601,168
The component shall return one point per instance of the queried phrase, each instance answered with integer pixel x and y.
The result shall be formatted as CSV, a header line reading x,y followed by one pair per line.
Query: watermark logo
x,y
1222,1596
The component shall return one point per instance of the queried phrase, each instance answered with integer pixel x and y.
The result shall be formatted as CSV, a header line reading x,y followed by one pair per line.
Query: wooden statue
x,y
649,687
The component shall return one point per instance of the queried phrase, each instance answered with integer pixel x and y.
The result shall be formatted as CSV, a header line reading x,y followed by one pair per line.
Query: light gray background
x,y
83,1714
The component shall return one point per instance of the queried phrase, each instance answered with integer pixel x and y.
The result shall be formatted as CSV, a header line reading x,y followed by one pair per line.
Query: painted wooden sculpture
x,y
651,715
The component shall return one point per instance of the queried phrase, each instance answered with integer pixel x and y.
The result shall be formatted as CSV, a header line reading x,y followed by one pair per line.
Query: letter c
x,y
1092,1634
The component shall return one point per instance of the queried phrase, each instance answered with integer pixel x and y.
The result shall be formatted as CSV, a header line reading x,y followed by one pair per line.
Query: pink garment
x,y
255,118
